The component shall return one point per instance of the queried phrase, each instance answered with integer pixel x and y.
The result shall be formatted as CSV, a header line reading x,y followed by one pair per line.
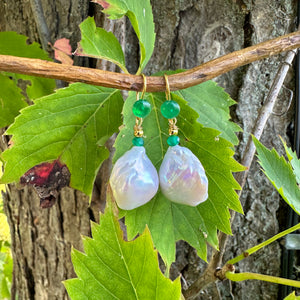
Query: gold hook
x,y
144,88
144,85
168,93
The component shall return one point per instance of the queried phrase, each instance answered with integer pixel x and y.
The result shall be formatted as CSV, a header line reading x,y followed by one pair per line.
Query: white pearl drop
x,y
182,177
134,180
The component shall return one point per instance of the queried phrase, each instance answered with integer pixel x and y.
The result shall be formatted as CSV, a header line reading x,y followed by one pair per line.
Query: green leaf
x,y
71,125
116,9
114,269
169,222
212,104
280,173
98,43
292,296
141,18
11,101
295,162
15,44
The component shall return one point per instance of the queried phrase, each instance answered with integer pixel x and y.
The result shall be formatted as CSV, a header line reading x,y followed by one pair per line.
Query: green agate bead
x,y
173,140
138,141
141,108
170,109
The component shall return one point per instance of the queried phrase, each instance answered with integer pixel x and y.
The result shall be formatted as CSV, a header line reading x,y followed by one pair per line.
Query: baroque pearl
x,y
134,180
182,177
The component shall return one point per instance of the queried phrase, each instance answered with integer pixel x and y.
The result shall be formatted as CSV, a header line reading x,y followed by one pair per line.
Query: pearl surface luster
x,y
182,177
134,180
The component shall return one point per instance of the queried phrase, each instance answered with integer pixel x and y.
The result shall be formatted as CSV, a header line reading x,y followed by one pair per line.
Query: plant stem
x,y
264,114
178,81
167,271
263,244
246,276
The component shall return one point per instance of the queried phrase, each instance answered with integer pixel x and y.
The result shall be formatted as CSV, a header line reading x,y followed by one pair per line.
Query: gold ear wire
x,y
168,93
144,85
138,129
144,88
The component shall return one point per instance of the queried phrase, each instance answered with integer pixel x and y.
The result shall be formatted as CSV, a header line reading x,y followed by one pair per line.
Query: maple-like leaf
x,y
141,18
98,43
71,125
212,104
11,100
169,222
15,44
111,268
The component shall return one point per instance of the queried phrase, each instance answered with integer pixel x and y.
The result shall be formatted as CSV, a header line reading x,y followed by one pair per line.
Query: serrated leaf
x,y
280,173
98,43
11,101
69,125
114,8
141,18
295,162
292,296
168,221
212,104
15,44
114,269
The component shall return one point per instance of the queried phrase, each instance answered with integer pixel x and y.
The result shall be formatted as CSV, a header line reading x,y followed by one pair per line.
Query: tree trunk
x,y
42,238
189,33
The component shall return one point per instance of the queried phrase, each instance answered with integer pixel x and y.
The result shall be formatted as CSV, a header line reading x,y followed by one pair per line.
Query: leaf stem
x,y
263,244
247,275
121,81
167,272
121,67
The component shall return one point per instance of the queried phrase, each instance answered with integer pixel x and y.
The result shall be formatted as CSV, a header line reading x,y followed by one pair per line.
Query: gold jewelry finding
x,y
168,93
138,129
173,129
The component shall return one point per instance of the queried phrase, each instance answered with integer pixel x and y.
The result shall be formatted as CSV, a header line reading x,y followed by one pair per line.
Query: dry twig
x,y
120,81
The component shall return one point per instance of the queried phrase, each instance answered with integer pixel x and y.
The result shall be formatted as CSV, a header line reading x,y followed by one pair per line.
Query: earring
x,y
181,176
134,180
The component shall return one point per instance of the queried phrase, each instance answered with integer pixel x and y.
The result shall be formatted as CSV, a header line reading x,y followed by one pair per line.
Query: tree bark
x,y
198,31
42,239
189,33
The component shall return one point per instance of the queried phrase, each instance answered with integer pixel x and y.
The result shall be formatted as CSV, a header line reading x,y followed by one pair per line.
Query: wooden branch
x,y
121,81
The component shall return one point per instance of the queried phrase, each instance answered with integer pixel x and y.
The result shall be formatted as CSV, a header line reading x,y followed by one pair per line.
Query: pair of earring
x,y
134,180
